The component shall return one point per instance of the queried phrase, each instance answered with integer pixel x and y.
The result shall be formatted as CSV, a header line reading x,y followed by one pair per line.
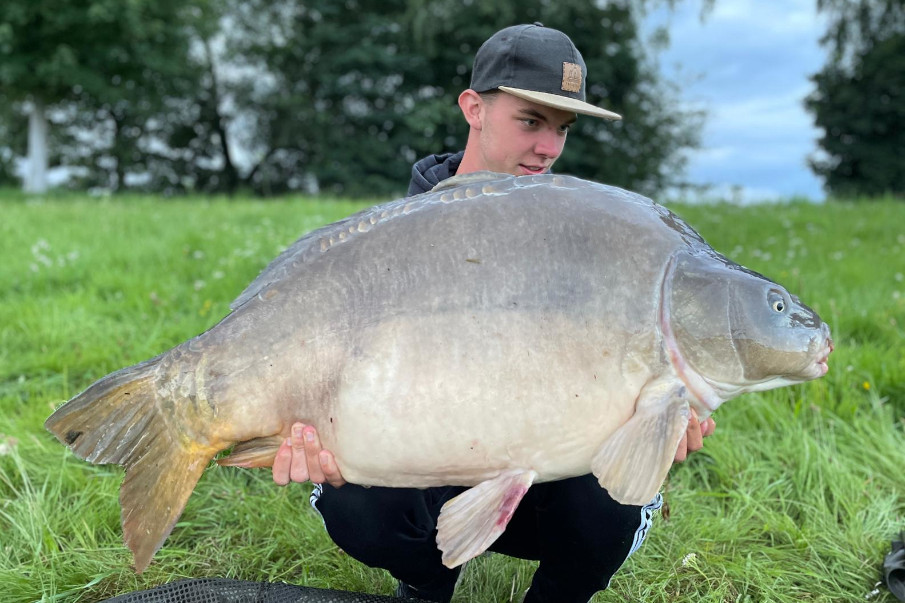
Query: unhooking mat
x,y
221,590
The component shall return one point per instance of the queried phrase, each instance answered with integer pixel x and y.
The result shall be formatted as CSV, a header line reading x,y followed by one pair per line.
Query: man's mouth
x,y
532,169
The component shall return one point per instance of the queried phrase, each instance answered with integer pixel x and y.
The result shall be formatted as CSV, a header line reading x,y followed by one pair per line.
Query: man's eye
x,y
529,122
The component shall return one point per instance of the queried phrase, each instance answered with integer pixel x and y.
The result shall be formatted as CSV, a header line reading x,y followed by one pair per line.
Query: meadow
x,y
794,498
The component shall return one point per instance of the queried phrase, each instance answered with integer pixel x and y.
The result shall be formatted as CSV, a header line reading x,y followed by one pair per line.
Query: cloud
x,y
747,64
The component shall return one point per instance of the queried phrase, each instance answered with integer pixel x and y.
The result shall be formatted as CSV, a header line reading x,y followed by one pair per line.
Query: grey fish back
x,y
458,189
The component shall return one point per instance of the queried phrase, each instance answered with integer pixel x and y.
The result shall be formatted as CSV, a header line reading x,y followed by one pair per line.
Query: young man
x,y
527,85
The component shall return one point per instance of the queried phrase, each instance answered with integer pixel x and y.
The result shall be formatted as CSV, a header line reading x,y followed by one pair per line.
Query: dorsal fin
x,y
469,178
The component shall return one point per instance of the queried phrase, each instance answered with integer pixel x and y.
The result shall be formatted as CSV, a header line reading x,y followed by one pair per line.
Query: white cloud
x,y
747,64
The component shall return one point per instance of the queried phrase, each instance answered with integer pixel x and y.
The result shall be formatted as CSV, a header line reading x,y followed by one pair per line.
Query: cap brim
x,y
561,102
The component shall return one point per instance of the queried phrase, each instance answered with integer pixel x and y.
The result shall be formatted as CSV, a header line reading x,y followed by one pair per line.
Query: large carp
x,y
495,332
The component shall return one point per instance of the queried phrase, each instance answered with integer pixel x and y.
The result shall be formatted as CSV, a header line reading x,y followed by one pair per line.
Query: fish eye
x,y
777,301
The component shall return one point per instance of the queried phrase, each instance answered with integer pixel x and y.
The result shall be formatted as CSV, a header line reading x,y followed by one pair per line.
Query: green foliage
x,y
793,499
860,99
13,135
356,116
196,96
107,71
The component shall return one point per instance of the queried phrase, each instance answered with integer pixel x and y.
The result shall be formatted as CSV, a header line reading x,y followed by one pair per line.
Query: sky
x,y
747,64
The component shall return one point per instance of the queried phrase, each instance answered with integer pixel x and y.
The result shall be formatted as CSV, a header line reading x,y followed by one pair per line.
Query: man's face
x,y
520,137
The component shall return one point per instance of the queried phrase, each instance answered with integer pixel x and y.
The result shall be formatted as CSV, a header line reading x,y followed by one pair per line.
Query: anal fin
x,y
258,452
470,522
632,463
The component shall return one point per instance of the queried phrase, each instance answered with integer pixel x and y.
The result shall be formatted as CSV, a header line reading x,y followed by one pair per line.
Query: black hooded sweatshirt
x,y
432,170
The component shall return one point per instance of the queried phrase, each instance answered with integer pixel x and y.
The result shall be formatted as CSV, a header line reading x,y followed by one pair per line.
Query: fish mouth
x,y
822,368
822,363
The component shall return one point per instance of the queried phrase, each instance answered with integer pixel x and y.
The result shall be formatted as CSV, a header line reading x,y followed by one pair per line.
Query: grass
x,y
793,499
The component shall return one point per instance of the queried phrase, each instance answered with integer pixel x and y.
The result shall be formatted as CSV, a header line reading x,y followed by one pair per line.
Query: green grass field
x,y
794,498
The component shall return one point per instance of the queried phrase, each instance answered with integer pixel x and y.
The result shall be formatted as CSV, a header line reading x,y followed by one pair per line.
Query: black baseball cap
x,y
538,64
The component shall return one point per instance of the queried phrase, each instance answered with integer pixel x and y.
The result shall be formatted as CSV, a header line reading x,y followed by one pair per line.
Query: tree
x,y
172,96
12,141
353,102
104,59
859,100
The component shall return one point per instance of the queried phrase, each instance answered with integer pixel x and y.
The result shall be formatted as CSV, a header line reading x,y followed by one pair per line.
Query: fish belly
x,y
458,398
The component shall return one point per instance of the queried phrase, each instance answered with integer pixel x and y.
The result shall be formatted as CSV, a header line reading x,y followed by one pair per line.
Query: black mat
x,y
221,590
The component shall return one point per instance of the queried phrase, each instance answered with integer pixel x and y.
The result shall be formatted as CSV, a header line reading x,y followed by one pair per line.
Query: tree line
x,y
342,96
859,99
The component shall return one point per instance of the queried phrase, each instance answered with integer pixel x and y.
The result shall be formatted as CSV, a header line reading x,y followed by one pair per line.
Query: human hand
x,y
694,436
301,459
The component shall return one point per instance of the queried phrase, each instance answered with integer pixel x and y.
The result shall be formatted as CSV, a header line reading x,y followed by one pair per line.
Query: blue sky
x,y
747,64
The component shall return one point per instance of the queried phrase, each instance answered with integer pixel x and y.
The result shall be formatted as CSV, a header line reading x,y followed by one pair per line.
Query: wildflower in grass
x,y
39,246
206,307
199,285
866,385
38,253
7,443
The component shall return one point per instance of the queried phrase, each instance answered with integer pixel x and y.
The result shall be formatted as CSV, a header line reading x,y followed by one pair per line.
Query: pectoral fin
x,y
633,462
470,522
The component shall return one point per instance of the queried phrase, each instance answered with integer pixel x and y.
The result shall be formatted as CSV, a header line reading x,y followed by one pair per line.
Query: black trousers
x,y
579,534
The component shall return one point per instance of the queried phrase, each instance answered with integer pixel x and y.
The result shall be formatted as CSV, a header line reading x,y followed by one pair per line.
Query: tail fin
x,y
117,420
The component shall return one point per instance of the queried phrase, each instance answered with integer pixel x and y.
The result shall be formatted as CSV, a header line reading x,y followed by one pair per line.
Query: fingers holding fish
x,y
282,463
693,440
331,471
301,458
318,465
306,447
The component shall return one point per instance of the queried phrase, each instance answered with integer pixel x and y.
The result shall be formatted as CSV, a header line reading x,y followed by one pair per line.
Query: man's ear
x,y
472,106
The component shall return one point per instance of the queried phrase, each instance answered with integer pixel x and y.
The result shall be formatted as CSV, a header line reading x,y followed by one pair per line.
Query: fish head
x,y
729,330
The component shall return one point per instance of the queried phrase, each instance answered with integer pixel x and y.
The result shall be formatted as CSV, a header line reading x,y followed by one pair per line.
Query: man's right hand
x,y
301,459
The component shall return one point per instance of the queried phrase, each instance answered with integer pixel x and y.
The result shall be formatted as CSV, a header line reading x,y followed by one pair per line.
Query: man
x,y
527,85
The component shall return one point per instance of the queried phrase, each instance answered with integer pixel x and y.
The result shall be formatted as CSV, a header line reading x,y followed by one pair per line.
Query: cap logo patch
x,y
571,77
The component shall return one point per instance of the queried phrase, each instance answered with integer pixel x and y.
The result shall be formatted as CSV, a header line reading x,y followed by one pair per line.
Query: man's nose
x,y
549,144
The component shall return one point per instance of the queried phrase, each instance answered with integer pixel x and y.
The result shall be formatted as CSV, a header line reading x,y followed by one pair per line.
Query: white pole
x,y
36,166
